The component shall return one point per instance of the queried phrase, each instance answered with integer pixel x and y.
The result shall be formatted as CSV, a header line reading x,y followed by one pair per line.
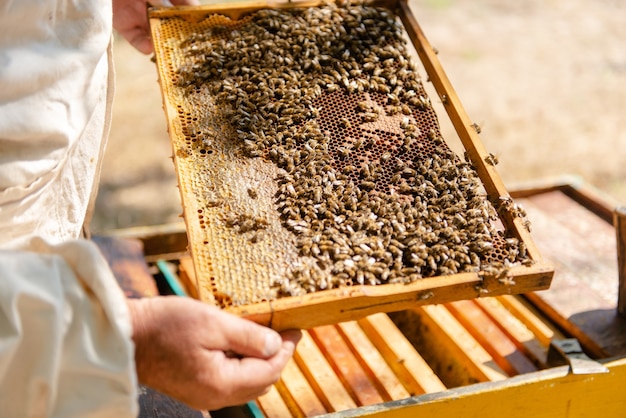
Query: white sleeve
x,y
65,335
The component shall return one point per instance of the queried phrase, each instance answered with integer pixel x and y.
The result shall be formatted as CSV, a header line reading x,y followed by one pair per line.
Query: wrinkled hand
x,y
130,19
184,348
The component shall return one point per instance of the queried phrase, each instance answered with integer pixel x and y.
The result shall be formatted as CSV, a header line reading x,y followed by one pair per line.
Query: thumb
x,y
249,339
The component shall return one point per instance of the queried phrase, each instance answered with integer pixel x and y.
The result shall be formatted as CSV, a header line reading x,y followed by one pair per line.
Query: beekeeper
x,y
71,345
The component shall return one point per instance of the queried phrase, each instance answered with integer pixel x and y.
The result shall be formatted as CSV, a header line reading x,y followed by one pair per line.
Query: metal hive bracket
x,y
568,351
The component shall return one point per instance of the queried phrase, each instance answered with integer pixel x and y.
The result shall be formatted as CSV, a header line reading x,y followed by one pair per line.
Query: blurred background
x,y
545,80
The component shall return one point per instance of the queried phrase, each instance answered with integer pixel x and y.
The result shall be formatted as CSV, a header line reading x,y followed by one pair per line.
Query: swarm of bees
x,y
369,188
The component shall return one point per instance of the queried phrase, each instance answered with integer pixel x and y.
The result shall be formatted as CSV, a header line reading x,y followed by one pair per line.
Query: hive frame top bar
x,y
331,306
237,9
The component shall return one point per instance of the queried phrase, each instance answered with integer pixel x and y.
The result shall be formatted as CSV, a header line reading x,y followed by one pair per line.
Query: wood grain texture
x,y
450,350
373,363
417,376
273,405
575,236
534,319
356,302
515,330
323,379
346,365
297,392
496,342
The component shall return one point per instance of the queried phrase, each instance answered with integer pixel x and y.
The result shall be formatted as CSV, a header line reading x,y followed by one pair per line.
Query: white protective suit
x,y
65,335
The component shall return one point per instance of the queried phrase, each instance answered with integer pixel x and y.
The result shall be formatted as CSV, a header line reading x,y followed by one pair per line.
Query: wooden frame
x,y
332,306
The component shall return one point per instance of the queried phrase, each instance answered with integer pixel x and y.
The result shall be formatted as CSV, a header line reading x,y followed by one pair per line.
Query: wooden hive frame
x,y
354,302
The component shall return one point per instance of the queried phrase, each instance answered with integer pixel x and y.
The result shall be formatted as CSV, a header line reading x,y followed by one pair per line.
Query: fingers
x,y
249,339
262,373
129,19
249,377
141,41
215,329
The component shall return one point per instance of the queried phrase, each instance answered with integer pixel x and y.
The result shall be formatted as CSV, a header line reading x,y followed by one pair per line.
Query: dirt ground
x,y
546,81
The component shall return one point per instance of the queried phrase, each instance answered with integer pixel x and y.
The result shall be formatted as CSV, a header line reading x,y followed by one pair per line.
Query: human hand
x,y
183,348
130,19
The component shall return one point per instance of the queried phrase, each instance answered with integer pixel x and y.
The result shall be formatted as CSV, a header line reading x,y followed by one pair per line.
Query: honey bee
x,y
348,169
491,159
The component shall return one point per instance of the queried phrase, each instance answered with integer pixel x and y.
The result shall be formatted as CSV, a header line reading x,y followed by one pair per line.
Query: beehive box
x,y
488,357
315,182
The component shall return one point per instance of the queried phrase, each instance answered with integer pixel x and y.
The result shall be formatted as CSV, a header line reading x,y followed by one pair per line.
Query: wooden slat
x,y
234,10
298,393
344,363
187,276
504,352
543,330
519,333
321,376
387,383
416,375
274,406
158,240
353,303
458,342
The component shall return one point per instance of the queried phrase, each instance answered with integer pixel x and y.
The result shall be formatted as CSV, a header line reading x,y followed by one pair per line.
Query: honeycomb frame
x,y
230,193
